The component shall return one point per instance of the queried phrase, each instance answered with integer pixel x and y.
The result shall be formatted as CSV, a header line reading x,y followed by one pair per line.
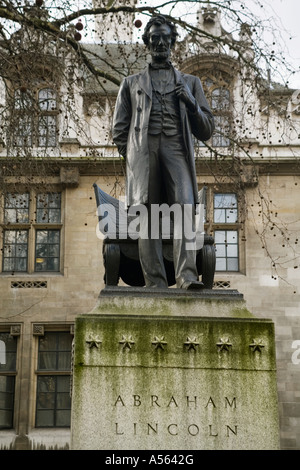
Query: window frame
x,y
211,226
222,115
11,373
34,114
51,373
32,227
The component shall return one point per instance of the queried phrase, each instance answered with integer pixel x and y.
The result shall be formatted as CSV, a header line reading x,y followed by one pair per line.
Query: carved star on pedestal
x,y
191,343
224,344
159,342
93,341
256,345
127,341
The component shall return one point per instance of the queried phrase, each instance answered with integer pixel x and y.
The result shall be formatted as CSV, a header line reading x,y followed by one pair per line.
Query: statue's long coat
x,y
130,129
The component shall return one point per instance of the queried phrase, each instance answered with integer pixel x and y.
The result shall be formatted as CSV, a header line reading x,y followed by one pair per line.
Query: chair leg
x,y
208,262
111,259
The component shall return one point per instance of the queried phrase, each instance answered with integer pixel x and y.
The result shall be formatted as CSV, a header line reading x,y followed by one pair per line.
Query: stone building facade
x,y
51,265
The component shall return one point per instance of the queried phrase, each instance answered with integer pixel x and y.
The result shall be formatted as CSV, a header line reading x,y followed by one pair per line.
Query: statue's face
x,y
160,40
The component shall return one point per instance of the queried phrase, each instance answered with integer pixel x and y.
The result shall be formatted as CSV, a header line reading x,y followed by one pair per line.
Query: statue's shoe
x,y
192,285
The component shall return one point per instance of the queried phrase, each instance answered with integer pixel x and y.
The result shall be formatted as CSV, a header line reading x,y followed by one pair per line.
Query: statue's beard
x,y
160,54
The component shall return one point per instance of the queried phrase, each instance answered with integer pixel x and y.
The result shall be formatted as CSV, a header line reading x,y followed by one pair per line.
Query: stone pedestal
x,y
171,370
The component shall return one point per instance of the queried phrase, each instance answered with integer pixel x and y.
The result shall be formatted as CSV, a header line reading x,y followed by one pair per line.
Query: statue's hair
x,y
159,20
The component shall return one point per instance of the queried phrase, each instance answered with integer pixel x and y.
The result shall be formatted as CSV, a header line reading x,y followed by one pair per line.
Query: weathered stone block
x,y
157,382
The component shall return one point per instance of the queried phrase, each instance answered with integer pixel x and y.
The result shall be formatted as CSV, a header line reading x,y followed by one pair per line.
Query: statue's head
x,y
159,36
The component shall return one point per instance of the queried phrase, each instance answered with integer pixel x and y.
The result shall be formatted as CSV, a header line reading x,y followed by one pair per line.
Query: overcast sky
x,y
288,13
286,16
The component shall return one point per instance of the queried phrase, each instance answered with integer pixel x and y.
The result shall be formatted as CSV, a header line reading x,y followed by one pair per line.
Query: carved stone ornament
x,y
191,343
159,343
15,330
256,345
224,344
93,342
127,342
38,330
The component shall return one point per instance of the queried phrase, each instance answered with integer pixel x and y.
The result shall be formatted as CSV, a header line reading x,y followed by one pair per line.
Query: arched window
x,y
34,118
8,355
22,118
220,99
218,95
220,104
2,352
47,121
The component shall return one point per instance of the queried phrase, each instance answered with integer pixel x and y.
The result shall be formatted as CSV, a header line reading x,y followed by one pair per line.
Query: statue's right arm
x,y
122,118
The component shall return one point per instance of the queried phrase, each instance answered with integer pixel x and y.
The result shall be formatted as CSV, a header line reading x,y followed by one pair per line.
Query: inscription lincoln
x,y
174,429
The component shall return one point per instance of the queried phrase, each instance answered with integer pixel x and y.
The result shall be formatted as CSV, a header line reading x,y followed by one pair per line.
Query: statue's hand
x,y
184,93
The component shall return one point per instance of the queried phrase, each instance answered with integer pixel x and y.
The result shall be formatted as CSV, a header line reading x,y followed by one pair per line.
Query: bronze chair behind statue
x,y
120,250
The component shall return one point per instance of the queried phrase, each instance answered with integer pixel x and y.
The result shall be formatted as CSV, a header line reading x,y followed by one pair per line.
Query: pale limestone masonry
x,y
176,371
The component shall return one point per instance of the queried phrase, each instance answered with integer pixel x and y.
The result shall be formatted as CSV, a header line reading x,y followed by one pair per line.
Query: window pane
x,y
221,264
225,208
47,99
54,236
47,131
9,215
21,237
41,236
47,361
222,128
226,242
21,264
232,251
54,216
8,352
54,251
220,216
23,100
226,200
16,208
231,236
9,251
220,236
64,341
231,216
54,200
63,385
23,131
232,264
48,208
220,99
208,82
8,264
55,351
53,401
221,251
15,249
64,361
7,387
44,419
63,418
47,250
48,342
41,250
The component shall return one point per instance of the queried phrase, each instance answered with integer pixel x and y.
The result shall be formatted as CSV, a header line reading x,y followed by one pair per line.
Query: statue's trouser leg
x,y
169,171
150,245
179,187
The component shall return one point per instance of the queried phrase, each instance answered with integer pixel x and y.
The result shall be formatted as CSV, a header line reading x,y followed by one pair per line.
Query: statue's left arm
x,y
200,115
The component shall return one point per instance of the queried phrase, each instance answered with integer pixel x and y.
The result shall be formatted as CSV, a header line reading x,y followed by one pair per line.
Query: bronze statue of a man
x,y
157,113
